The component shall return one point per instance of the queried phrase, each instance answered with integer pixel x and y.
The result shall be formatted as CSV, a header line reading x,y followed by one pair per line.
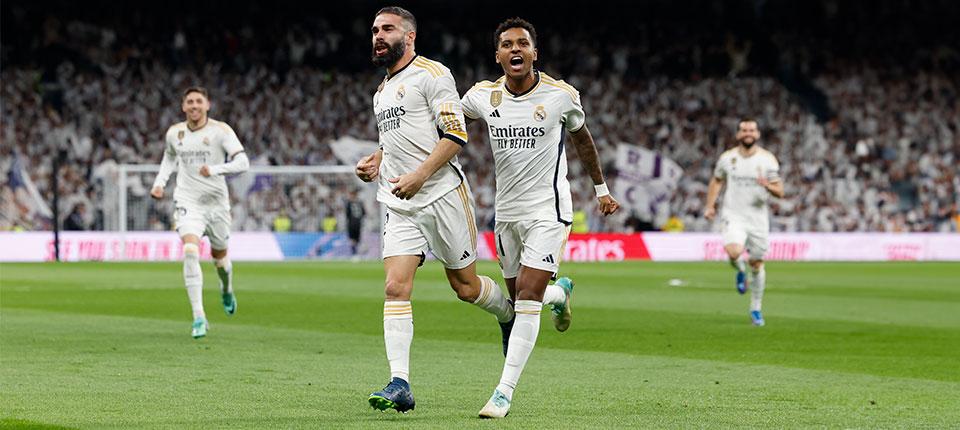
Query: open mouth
x,y
516,62
380,49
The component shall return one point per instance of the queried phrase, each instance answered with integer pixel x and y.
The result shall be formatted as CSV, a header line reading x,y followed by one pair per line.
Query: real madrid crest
x,y
401,92
206,141
180,135
540,113
496,98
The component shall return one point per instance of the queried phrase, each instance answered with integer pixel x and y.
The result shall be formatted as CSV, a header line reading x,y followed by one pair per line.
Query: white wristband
x,y
601,190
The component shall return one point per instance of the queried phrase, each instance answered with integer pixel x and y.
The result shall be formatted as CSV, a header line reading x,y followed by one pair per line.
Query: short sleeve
x,y
573,116
773,170
719,171
470,108
444,101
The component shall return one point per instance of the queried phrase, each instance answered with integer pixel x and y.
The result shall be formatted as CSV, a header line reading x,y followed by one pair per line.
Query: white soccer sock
x,y
193,278
756,290
397,336
491,299
522,339
554,295
738,264
225,273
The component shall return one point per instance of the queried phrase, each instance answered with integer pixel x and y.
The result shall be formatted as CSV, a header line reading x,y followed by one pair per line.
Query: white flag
x,y
646,181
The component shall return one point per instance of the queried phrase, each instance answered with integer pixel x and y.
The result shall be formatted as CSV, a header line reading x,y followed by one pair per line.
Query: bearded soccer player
x,y
527,114
429,204
202,150
751,175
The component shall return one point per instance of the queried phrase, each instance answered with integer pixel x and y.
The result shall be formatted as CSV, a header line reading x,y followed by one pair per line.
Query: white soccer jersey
x,y
410,106
526,135
744,199
210,145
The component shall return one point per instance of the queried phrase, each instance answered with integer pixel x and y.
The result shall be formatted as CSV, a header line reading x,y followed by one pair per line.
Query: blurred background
x,y
859,102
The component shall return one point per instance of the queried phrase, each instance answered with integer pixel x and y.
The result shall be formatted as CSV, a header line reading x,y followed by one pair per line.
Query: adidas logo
x,y
465,255
495,114
548,259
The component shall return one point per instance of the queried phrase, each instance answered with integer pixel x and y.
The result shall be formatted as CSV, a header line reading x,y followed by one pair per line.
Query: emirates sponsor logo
x,y
594,250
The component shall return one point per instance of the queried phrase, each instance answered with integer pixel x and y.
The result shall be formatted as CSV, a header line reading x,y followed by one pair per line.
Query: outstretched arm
x,y
587,150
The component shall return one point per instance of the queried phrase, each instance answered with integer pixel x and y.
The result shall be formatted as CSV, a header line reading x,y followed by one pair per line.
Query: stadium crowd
x,y
101,92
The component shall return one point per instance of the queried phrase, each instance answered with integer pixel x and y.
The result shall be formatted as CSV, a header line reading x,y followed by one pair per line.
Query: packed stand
x,y
887,161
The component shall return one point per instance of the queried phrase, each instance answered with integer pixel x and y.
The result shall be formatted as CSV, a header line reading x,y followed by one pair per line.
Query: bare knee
x,y
218,254
465,291
535,294
734,251
395,289
465,283
527,290
756,265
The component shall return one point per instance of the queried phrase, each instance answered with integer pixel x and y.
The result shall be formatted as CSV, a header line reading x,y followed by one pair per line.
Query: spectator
x,y
75,221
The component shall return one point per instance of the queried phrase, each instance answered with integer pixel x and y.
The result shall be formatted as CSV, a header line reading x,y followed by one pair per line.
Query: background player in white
x,y
201,150
527,114
429,204
751,174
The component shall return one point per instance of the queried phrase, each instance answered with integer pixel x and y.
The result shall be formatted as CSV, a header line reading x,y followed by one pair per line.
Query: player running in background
x,y
202,150
527,114
429,204
752,175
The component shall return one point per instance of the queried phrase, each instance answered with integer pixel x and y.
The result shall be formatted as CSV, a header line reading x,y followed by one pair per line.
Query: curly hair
x,y
514,23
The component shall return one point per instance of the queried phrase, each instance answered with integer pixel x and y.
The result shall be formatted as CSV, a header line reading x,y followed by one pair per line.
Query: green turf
x,y
850,345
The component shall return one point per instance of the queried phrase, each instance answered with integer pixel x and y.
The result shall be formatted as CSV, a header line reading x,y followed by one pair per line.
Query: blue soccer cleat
x,y
229,303
561,314
396,395
199,328
757,318
741,282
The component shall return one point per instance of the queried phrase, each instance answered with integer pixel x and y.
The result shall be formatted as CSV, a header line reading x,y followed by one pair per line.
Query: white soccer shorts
x,y
212,221
446,227
746,234
538,244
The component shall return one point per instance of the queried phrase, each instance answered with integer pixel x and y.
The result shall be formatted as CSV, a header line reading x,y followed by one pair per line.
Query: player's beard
x,y
393,54
743,142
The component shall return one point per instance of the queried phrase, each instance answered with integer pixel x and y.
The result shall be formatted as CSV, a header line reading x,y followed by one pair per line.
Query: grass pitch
x,y
847,345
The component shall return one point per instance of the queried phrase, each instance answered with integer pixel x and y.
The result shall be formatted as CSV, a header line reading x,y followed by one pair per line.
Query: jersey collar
x,y
194,130
389,75
536,83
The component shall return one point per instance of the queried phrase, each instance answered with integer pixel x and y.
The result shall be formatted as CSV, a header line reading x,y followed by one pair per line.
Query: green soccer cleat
x,y
199,327
561,314
229,303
